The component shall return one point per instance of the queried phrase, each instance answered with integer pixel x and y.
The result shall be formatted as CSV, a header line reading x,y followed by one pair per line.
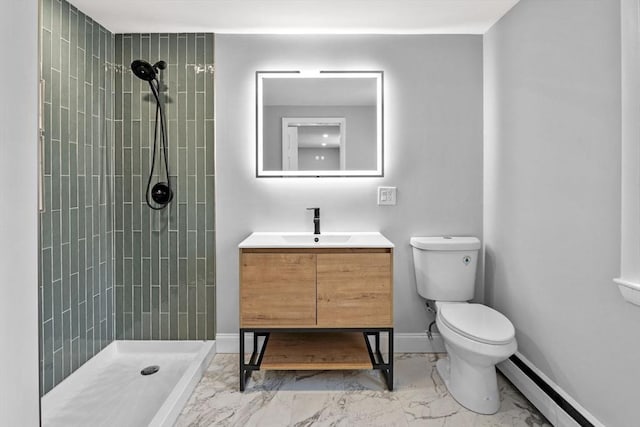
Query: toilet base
x,y
474,387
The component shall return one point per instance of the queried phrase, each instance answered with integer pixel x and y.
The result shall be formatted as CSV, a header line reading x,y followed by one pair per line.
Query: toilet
x,y
475,336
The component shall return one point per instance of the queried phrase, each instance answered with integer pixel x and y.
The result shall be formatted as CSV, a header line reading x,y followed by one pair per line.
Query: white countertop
x,y
307,240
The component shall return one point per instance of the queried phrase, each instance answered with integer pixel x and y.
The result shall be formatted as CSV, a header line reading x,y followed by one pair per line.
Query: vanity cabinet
x,y
316,308
277,289
354,289
324,288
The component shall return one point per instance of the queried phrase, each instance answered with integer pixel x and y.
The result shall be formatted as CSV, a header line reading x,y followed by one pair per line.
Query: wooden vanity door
x,y
277,289
355,289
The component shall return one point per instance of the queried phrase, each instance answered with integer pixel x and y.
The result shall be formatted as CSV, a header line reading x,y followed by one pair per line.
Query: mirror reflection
x,y
310,144
324,125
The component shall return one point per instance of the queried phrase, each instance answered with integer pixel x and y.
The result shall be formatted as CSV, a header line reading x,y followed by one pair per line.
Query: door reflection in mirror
x,y
313,143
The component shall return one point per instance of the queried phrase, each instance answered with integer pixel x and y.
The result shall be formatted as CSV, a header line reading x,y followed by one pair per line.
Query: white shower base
x,y
109,390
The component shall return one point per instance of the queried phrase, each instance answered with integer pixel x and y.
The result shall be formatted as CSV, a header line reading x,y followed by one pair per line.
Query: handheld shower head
x,y
143,70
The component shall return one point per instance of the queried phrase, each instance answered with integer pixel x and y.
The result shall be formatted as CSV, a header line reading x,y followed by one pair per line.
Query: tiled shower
x,y
111,268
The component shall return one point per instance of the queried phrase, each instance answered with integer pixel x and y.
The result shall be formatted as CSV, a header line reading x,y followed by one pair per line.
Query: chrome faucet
x,y
316,220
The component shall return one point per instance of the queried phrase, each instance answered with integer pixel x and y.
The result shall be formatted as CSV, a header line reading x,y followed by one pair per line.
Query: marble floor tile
x,y
344,398
317,381
319,409
374,408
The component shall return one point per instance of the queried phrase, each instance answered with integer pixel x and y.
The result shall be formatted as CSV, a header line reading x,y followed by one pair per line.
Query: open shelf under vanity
x,y
316,349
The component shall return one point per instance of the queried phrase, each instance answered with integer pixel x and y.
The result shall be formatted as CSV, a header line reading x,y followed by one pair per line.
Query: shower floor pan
x,y
109,390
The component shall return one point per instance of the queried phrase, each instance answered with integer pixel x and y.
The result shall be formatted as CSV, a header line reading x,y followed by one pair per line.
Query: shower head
x,y
145,71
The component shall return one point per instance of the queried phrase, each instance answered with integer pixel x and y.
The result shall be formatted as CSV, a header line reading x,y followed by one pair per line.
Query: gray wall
x,y
165,260
433,152
76,226
360,131
630,266
19,223
552,198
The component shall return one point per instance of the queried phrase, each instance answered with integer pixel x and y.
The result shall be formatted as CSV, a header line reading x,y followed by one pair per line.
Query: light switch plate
x,y
386,195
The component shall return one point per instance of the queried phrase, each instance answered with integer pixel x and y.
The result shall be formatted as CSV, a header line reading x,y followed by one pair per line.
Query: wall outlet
x,y
386,195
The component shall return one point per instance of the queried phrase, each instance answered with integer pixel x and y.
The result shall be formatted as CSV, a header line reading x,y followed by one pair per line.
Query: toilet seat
x,y
477,322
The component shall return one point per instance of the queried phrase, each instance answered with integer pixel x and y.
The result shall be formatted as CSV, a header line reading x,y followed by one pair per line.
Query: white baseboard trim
x,y
228,343
541,400
403,343
418,343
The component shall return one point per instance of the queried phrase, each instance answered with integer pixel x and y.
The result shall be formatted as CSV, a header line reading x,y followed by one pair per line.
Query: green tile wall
x,y
165,264
110,267
76,267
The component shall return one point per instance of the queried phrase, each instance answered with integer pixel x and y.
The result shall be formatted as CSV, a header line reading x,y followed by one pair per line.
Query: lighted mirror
x,y
322,124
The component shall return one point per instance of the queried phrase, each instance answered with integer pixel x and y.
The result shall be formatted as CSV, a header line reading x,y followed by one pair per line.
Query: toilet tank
x,y
445,267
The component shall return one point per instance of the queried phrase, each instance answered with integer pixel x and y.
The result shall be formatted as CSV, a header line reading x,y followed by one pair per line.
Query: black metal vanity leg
x,y
390,356
242,368
377,337
262,350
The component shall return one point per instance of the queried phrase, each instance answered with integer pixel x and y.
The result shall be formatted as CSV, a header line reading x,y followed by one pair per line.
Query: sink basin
x,y
308,240
311,239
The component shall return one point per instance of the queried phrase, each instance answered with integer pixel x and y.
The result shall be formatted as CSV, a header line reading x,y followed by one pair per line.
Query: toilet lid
x,y
477,322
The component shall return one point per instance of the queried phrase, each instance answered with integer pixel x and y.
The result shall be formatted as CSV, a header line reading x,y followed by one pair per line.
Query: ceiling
x,y
297,16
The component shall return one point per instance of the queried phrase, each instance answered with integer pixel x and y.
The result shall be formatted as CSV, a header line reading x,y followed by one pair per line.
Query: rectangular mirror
x,y
316,125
